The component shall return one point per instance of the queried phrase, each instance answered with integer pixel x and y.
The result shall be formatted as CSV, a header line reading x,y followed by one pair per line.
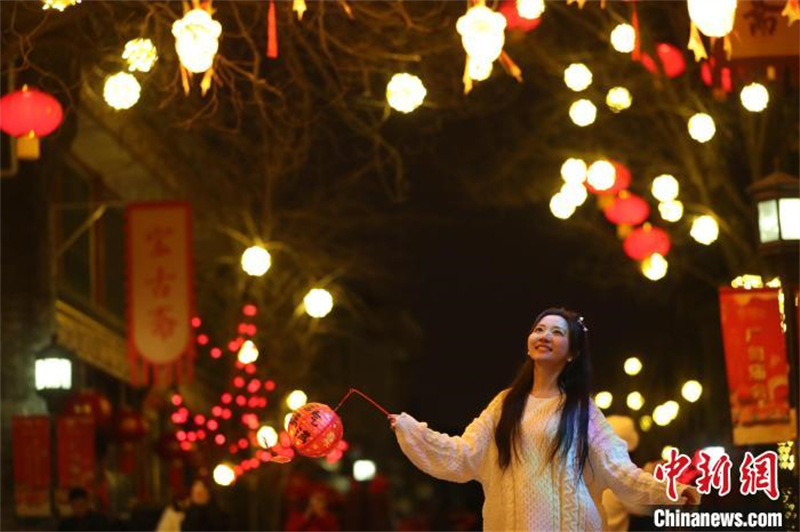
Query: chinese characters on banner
x,y
75,441
757,368
762,33
159,290
756,474
32,459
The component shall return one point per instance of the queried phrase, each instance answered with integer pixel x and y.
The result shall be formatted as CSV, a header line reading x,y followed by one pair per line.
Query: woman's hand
x,y
690,496
393,421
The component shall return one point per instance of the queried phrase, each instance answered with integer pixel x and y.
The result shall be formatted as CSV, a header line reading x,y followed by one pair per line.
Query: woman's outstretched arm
x,y
454,458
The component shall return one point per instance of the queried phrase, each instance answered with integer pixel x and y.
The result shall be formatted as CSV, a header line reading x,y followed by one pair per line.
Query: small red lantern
x,y
513,21
131,425
627,209
672,60
646,240
315,430
28,114
622,180
90,403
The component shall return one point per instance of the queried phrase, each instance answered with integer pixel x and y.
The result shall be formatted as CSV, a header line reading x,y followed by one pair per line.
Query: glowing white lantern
x,y
121,91
704,229
248,353
603,400
530,9
224,475
364,470
577,77
671,211
256,261
267,436
318,303
665,187
632,366
561,206
482,33
755,97
618,99
140,54
601,175
692,390
701,127
671,408
635,401
661,416
296,399
53,374
575,193
713,18
583,113
477,70
655,267
623,38
574,171
405,92
197,40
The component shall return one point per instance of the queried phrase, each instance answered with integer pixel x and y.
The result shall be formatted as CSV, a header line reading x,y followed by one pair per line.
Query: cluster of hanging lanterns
x,y
665,189
197,40
122,90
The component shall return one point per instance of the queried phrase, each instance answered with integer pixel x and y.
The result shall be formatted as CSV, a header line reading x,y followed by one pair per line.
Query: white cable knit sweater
x,y
532,493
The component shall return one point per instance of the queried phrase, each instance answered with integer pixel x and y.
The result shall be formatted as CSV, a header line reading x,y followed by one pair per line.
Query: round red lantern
x,y
315,429
622,180
627,209
131,425
646,240
672,61
90,403
27,115
513,21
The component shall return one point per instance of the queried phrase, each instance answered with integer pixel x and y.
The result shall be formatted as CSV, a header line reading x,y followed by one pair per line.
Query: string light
x,y
665,187
603,400
248,353
561,206
318,303
601,175
632,366
256,261
754,97
405,92
618,99
530,9
692,390
296,399
671,211
623,38
645,423
583,113
574,171
635,401
197,40
121,91
224,475
575,193
577,77
701,127
59,5
655,267
267,436
705,229
140,54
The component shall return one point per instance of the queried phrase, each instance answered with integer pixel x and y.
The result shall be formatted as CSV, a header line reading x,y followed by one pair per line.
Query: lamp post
x,y
777,200
53,379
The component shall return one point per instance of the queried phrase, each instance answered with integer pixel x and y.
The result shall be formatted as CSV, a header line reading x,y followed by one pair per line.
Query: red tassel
x,y
272,32
635,23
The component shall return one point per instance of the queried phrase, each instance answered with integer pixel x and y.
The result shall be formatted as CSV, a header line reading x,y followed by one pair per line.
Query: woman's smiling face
x,y
549,341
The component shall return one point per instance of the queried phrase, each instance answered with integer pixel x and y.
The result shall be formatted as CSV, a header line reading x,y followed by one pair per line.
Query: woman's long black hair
x,y
573,381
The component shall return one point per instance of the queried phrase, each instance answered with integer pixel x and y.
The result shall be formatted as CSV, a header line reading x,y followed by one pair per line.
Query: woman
x,y
542,450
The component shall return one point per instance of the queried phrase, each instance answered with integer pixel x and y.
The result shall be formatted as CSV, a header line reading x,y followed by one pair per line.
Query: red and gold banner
x,y
757,368
159,285
30,440
75,439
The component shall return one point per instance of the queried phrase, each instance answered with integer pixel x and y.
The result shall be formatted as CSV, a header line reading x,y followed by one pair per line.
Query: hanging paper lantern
x,y
197,40
701,127
654,267
576,193
618,99
623,38
482,33
714,19
671,211
646,240
705,229
574,171
627,209
315,430
606,178
577,77
513,12
121,91
27,115
672,60
131,425
755,97
561,206
583,113
318,303
665,187
90,403
59,5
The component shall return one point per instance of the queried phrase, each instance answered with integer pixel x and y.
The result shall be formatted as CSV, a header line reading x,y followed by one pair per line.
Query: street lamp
x,y
53,374
777,199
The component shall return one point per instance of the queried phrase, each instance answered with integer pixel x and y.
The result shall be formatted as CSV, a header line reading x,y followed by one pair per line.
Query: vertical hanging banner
x,y
757,367
76,458
32,461
159,291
